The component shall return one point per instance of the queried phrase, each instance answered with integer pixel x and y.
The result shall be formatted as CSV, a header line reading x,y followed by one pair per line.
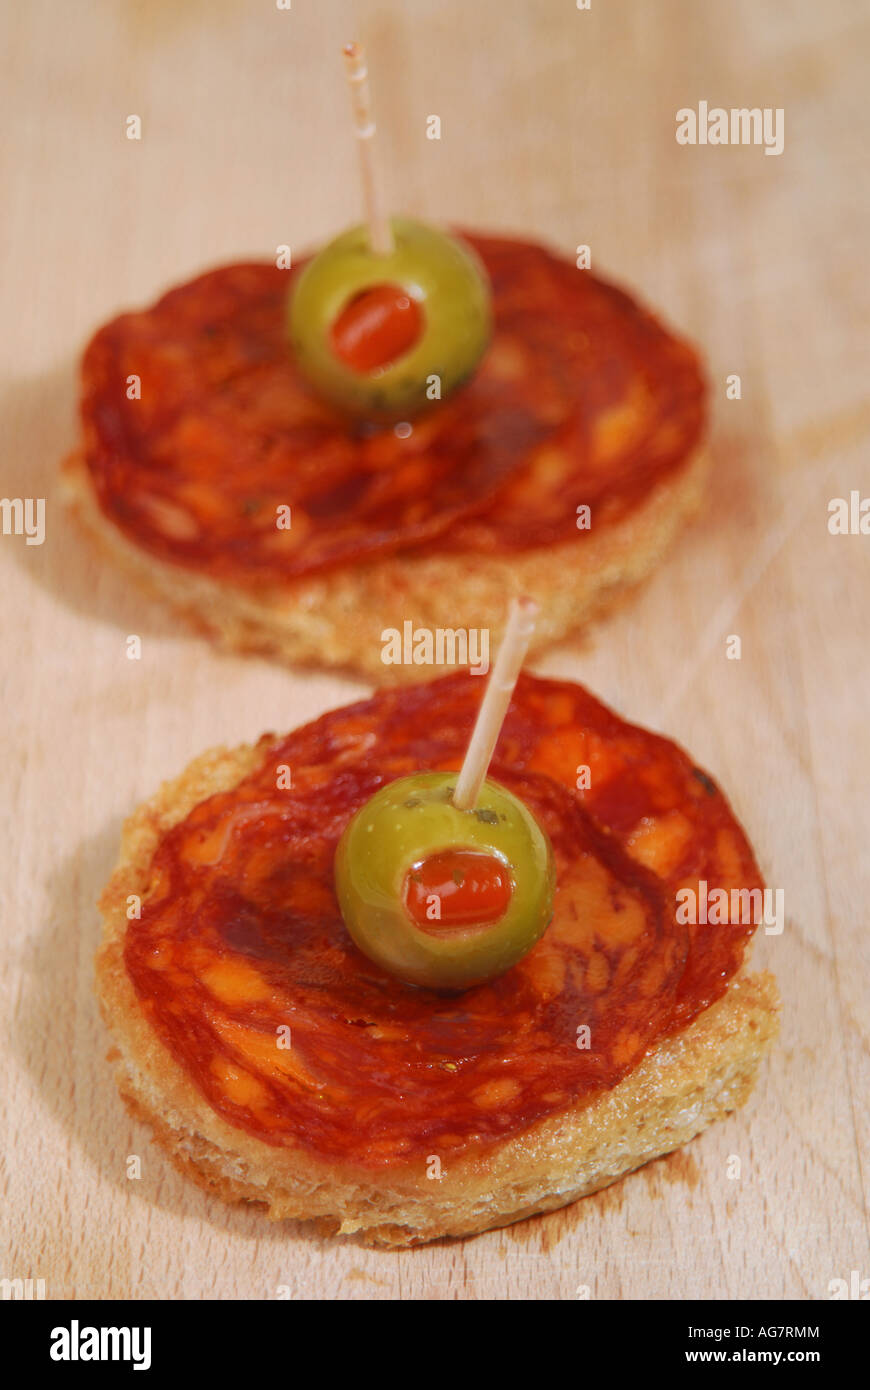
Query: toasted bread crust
x,y
688,1080
336,619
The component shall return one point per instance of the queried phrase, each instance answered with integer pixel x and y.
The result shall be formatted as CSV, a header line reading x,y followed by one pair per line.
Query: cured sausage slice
x,y
198,428
241,949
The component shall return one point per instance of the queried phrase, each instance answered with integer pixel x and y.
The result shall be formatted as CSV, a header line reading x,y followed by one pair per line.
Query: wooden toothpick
x,y
497,697
380,231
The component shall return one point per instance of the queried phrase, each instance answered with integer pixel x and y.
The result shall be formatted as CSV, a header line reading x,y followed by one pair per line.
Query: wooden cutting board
x,y
557,123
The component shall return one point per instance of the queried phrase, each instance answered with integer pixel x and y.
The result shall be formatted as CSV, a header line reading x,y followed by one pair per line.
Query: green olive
x,y
381,336
408,838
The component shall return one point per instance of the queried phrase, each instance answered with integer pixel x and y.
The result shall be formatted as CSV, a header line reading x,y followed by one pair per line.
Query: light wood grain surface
x,y
560,124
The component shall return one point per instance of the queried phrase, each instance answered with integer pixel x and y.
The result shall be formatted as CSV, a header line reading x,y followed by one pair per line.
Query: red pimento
x,y
376,328
470,889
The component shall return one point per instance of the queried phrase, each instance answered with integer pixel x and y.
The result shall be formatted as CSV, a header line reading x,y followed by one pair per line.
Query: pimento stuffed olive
x,y
382,335
443,897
